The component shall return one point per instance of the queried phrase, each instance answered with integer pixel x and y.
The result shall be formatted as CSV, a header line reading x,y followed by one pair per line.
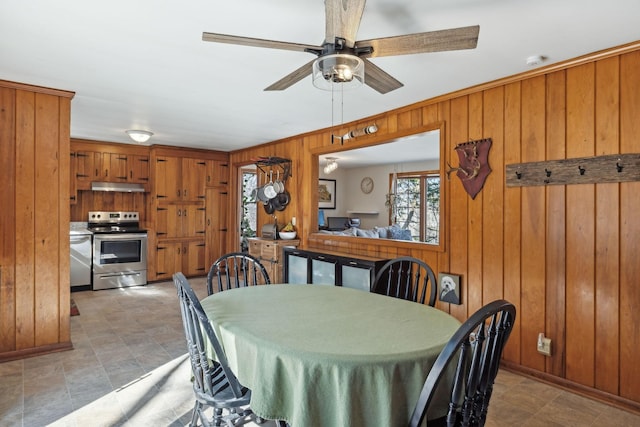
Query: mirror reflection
x,y
389,191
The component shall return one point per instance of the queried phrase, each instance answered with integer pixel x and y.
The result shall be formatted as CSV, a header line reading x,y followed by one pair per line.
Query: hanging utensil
x,y
269,191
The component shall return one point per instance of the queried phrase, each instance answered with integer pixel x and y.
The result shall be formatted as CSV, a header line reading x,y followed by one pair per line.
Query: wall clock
x,y
366,185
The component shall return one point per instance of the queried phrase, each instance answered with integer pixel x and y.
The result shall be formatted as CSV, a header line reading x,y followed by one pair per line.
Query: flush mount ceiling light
x,y
535,60
331,165
348,70
139,136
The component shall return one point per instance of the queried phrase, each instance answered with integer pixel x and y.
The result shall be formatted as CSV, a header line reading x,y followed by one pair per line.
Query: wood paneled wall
x,y
34,220
566,256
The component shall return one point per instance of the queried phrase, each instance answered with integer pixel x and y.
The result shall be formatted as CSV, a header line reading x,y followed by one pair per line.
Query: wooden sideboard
x,y
270,254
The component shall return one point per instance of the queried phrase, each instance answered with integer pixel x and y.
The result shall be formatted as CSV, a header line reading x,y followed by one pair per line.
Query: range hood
x,y
123,187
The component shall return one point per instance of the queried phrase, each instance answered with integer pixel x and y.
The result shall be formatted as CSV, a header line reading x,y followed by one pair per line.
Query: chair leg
x,y
194,414
218,416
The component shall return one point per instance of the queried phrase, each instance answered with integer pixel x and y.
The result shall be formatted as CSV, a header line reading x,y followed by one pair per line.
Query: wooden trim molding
x,y
35,351
37,89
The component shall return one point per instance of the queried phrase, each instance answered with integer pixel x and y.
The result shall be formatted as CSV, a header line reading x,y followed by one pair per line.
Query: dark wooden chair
x,y
477,348
407,278
214,384
235,270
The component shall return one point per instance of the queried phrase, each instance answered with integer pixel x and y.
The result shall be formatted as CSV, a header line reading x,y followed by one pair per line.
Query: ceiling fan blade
x,y
293,78
432,41
378,79
249,41
343,19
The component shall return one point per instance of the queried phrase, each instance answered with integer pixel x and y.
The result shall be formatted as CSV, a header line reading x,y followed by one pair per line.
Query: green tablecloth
x,y
329,356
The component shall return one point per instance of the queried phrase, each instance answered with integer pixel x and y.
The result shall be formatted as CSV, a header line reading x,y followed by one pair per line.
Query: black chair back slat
x,y
478,345
235,270
406,278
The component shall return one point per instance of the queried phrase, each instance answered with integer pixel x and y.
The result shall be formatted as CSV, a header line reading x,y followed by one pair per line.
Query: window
x,y
416,205
248,220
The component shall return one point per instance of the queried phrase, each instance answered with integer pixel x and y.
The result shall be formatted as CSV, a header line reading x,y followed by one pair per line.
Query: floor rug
x,y
74,308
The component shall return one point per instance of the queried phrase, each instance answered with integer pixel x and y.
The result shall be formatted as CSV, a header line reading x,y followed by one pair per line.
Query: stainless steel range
x,y
119,250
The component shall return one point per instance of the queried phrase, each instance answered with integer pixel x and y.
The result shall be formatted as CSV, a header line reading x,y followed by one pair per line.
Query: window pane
x,y
421,217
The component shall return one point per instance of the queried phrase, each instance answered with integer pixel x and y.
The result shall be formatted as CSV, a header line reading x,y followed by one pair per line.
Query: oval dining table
x,y
329,356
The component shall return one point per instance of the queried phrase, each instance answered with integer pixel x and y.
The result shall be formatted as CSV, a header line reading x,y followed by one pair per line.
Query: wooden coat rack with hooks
x,y
584,170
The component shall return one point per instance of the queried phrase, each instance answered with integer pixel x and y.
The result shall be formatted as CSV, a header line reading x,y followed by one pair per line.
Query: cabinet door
x,y
216,224
217,173
324,270
193,220
193,253
167,179
115,167
138,169
168,259
296,267
88,165
73,188
356,275
194,175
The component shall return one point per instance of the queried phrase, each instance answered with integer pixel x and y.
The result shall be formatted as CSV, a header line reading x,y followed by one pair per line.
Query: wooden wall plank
x,y
493,198
475,232
47,197
580,303
532,313
560,244
25,220
607,224
511,217
629,231
7,220
457,228
556,224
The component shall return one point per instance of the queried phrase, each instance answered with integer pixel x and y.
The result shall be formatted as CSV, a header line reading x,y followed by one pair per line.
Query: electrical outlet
x,y
544,345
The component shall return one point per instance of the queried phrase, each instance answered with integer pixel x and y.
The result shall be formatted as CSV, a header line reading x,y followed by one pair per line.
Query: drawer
x,y
255,248
269,251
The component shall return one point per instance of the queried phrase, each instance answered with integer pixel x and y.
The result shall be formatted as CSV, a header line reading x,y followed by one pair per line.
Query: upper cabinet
x,y
180,179
217,173
103,162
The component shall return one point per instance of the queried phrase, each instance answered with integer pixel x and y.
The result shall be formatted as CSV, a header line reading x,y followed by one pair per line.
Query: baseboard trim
x,y
35,351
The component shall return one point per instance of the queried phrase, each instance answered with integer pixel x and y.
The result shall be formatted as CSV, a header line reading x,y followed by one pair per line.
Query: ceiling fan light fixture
x,y
346,70
139,136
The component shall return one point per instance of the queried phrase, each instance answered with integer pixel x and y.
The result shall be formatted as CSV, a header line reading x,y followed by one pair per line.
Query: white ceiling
x,y
143,65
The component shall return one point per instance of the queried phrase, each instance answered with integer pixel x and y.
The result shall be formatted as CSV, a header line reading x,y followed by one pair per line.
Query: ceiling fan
x,y
342,59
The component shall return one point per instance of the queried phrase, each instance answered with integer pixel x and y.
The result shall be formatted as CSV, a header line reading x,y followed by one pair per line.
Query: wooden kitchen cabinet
x,y
188,217
108,163
87,165
217,202
180,179
184,256
217,173
180,220
138,167
270,253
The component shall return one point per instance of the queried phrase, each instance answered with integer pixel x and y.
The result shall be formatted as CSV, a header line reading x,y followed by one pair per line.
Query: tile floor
x,y
129,368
